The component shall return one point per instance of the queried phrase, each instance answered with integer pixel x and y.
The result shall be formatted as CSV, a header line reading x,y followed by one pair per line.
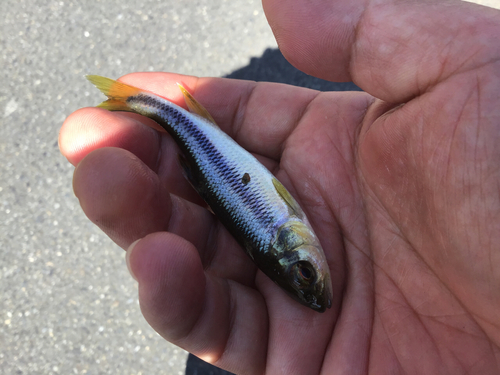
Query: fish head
x,y
307,278
303,271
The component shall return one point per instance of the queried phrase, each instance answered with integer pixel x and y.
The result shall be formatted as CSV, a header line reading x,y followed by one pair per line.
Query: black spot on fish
x,y
245,179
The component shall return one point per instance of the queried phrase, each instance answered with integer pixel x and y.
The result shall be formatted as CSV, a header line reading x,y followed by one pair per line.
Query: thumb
x,y
394,50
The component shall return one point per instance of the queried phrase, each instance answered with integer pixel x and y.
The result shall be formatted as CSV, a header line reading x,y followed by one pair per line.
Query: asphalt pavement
x,y
67,302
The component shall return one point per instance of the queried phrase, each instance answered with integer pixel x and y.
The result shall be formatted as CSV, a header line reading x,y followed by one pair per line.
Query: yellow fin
x,y
194,106
287,197
117,92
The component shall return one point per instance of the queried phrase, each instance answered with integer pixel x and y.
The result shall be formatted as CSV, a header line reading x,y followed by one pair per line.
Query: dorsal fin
x,y
194,106
287,197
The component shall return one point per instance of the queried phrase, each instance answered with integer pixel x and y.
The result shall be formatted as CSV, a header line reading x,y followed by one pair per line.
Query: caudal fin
x,y
117,93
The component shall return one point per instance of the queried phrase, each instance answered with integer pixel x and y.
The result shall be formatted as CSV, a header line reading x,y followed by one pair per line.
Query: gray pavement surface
x,y
67,302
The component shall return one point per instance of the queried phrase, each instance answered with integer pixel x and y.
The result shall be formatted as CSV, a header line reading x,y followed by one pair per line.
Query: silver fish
x,y
251,203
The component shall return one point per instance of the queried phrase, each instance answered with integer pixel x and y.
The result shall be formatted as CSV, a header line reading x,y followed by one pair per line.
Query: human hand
x,y
401,190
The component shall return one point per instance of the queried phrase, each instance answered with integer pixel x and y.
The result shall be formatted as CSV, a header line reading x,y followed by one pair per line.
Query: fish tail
x,y
117,93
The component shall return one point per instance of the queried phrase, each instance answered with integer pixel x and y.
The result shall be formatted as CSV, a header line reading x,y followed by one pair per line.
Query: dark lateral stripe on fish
x,y
250,197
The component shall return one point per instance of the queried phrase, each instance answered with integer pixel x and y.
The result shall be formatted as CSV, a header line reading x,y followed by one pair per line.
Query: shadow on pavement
x,y
273,67
270,67
196,366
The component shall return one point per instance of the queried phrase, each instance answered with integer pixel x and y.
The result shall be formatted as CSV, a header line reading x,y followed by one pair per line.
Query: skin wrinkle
x,y
333,209
238,124
326,348
348,242
345,163
345,239
478,362
460,69
369,336
388,248
476,68
340,232
173,220
299,119
440,76
414,314
478,116
213,242
417,254
376,201
496,325
388,340
439,348
159,158
457,360
349,280
168,144
476,150
492,349
195,325
452,139
464,308
455,328
232,129
233,307
211,245
290,186
359,30
149,296
354,138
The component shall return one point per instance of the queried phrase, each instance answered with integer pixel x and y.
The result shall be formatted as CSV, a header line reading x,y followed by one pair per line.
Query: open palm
x,y
403,192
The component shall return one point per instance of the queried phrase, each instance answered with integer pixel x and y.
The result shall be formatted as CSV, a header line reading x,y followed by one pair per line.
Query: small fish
x,y
251,203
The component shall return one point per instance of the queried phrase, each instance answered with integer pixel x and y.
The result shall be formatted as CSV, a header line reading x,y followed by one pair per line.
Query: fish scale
x,y
249,201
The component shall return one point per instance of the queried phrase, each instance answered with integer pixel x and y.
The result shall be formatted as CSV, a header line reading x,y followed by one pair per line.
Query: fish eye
x,y
303,273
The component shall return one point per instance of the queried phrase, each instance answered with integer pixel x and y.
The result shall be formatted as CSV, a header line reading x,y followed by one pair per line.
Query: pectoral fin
x,y
187,171
287,197
191,176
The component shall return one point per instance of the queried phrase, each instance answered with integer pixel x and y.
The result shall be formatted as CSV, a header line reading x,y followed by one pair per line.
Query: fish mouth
x,y
324,301
319,297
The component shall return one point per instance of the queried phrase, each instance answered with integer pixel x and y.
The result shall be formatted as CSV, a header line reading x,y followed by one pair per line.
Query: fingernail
x,y
127,258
